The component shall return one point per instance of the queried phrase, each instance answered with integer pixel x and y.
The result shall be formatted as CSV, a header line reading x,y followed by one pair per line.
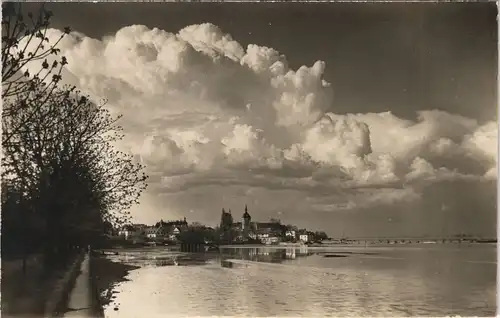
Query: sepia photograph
x,y
249,159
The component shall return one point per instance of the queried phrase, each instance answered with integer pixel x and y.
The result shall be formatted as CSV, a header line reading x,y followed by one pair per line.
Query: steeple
x,y
229,211
246,215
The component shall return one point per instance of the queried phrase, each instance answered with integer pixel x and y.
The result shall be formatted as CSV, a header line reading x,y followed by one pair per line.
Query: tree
x,y
320,235
24,41
60,167
197,225
68,161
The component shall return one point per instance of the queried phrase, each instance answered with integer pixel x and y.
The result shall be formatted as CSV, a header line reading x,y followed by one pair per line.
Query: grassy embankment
x,y
30,293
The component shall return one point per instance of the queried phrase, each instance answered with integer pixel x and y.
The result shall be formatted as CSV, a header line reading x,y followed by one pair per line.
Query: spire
x,y
229,211
223,211
246,215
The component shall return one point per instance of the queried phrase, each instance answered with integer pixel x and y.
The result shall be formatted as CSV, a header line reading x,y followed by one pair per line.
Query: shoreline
x,y
43,290
105,275
306,245
359,246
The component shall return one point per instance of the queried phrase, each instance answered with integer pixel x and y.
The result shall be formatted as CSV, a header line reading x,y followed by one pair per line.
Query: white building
x,y
304,237
174,233
151,232
263,236
132,231
126,233
270,240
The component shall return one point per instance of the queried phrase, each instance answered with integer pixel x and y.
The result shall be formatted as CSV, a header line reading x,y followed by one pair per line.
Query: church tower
x,y
226,220
245,223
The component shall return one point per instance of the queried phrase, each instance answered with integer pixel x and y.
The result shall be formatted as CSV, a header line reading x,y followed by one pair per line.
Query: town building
x,y
157,231
304,237
169,230
266,232
292,234
272,232
131,231
245,224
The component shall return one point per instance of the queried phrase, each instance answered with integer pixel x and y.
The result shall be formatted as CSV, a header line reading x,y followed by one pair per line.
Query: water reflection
x,y
162,257
437,281
265,254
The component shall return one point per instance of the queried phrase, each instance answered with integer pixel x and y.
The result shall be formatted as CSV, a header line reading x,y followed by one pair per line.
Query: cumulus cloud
x,y
200,109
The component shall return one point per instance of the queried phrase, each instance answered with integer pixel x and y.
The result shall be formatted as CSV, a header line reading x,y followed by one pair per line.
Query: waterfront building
x,y
151,232
271,232
245,224
127,231
307,236
226,220
226,226
131,231
173,234
169,224
304,237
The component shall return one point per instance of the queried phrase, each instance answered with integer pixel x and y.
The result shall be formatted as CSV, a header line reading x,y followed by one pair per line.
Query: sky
x,y
360,119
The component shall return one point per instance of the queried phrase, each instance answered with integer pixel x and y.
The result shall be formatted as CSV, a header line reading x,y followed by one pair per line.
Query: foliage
x,y
171,223
197,234
320,235
63,179
24,41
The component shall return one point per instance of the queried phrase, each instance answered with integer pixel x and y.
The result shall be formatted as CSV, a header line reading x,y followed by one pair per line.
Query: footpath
x,y
80,297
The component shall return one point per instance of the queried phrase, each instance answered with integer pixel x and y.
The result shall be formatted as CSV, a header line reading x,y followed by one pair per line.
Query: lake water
x,y
423,280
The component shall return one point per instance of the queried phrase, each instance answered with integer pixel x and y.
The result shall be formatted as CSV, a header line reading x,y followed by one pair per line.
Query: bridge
x,y
415,239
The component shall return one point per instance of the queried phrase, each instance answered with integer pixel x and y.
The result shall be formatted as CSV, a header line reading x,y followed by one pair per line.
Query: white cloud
x,y
200,109
483,145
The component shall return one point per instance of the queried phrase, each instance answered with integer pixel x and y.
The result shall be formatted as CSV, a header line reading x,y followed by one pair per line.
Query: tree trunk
x,y
24,261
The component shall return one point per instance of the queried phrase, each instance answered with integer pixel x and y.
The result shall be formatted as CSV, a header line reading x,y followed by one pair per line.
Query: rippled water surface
x,y
422,280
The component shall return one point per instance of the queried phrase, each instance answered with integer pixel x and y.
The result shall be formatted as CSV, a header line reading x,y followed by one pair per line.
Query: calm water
x,y
425,280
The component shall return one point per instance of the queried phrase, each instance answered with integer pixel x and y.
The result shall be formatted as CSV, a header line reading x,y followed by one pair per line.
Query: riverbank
x,y
104,276
78,287
41,290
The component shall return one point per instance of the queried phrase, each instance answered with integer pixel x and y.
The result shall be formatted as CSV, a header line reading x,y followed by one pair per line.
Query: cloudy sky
x,y
358,119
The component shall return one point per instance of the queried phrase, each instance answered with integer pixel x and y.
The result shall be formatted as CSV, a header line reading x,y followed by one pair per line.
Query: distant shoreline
x,y
327,244
355,245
